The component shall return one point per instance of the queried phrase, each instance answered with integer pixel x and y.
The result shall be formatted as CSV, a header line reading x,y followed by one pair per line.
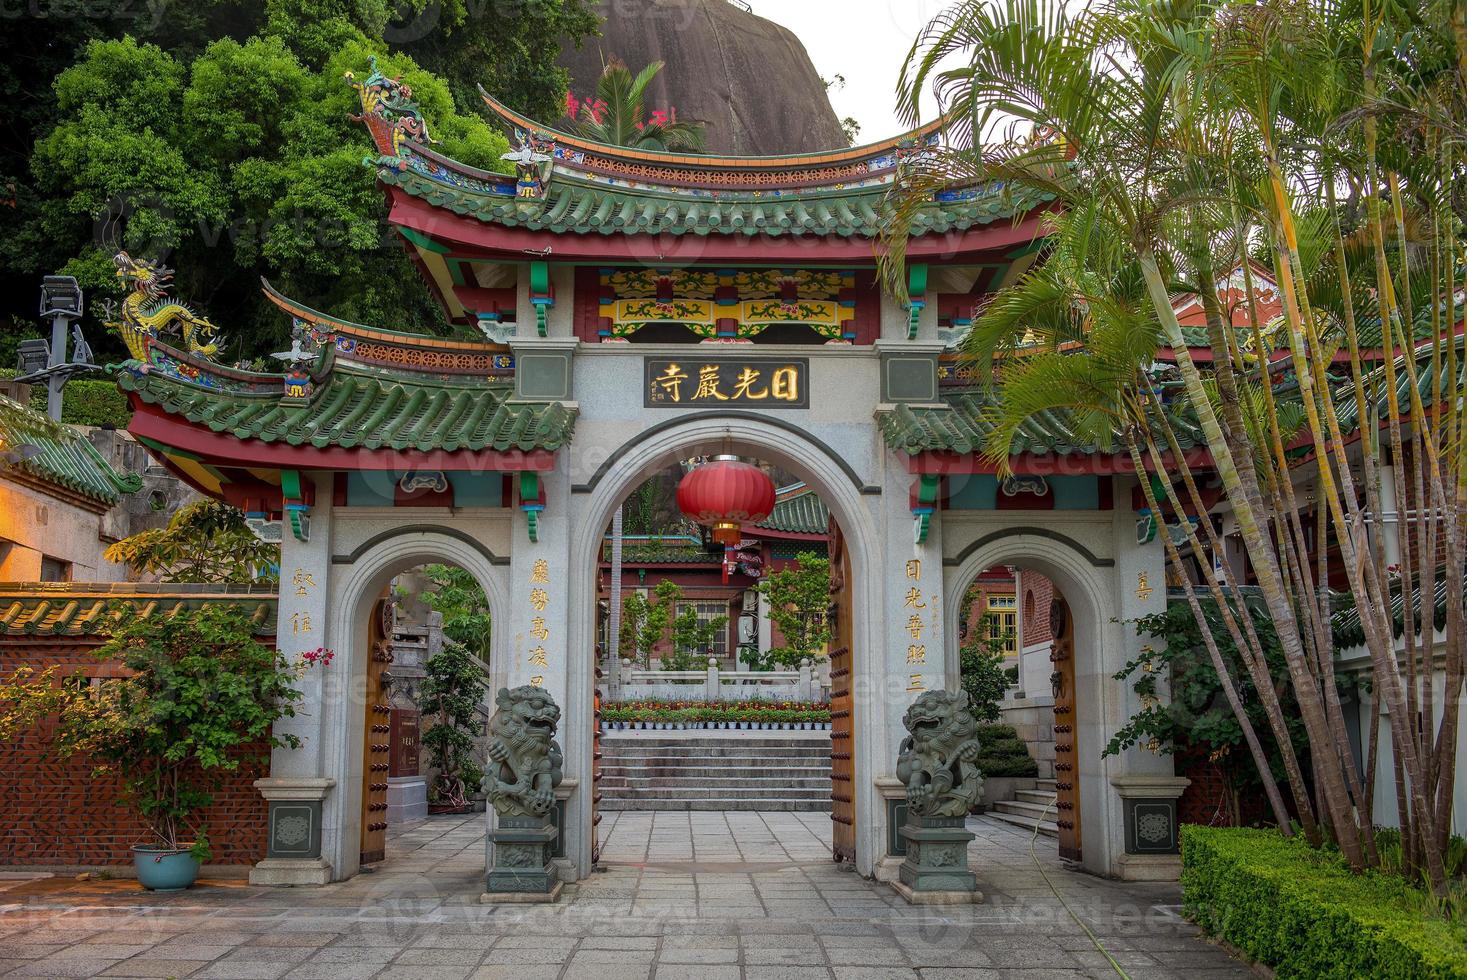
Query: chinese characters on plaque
x,y
921,622
539,632
677,382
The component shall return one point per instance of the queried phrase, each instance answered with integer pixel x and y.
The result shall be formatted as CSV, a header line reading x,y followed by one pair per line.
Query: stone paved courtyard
x,y
707,896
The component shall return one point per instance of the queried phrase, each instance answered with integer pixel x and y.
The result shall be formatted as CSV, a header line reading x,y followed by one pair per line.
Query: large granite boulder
x,y
748,78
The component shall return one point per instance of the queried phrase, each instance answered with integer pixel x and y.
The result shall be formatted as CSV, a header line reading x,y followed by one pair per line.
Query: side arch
x,y
1087,585
353,591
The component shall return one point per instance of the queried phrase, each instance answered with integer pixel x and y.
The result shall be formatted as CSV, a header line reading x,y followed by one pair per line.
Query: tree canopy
x,y
217,139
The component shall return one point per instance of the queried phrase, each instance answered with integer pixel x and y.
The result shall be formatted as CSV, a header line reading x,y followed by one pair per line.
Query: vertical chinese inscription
x,y
919,614
539,632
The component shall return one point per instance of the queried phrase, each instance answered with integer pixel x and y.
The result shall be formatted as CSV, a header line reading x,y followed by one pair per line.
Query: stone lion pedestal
x,y
937,764
524,768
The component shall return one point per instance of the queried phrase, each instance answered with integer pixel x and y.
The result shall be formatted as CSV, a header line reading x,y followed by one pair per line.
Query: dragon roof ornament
x,y
389,110
147,313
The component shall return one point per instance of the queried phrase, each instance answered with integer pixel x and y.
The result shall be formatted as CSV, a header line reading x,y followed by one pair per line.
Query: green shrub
x,y
1003,753
1304,913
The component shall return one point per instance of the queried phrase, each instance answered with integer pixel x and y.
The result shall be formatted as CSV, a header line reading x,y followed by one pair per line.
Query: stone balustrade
x,y
628,682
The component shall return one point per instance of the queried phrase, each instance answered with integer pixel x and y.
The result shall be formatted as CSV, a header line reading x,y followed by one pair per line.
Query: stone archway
x,y
371,567
849,500
1088,585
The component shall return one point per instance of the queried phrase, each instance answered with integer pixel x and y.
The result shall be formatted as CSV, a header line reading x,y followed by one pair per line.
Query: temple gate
x,y
620,310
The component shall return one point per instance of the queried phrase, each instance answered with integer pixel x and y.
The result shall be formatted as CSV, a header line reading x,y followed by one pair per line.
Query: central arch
x,y
850,501
367,571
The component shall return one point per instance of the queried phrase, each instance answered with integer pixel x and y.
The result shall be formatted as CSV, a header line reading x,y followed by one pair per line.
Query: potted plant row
x,y
749,716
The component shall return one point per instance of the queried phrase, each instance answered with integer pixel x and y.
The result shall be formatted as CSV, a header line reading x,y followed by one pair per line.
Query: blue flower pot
x,y
163,869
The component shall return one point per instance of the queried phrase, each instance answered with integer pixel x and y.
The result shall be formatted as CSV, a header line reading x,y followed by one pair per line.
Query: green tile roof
x,y
70,609
959,425
1350,632
653,554
33,444
361,409
800,513
571,206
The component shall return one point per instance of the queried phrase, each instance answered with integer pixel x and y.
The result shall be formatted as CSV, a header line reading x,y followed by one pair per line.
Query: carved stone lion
x,y
938,759
525,760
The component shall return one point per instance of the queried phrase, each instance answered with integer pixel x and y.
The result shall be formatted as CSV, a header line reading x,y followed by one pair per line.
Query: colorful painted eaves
x,y
39,609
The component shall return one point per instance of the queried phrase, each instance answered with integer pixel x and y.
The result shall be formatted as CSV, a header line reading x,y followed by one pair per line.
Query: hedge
x,y
87,401
1303,912
1003,753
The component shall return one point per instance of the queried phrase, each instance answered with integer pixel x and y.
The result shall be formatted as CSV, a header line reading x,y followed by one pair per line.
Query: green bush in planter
x,y
1303,912
201,693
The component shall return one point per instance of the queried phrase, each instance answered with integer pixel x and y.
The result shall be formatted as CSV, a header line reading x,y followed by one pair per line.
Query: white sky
x,y
864,40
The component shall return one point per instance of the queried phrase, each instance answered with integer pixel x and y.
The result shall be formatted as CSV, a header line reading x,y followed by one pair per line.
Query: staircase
x,y
695,770
1028,807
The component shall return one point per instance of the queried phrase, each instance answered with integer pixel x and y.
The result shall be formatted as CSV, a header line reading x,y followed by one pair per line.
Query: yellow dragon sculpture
x,y
148,313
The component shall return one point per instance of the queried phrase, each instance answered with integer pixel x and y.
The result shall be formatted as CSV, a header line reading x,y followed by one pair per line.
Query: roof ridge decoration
x,y
534,159
572,146
395,349
390,113
147,312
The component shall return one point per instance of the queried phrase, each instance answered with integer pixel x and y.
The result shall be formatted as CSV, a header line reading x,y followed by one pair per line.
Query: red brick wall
x,y
1034,603
57,813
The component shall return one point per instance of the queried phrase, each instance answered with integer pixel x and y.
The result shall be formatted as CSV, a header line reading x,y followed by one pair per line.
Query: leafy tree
x,y
798,595
692,639
198,702
459,597
452,693
618,114
984,673
216,138
206,541
241,163
645,621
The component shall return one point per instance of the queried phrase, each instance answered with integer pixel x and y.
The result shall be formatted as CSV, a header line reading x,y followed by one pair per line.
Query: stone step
x,y
739,803
763,753
1039,796
1034,811
733,764
711,793
741,783
703,740
678,773
1046,829
777,770
1046,784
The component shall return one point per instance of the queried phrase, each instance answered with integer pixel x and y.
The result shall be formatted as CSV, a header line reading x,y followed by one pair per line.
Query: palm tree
x,y
1188,137
618,115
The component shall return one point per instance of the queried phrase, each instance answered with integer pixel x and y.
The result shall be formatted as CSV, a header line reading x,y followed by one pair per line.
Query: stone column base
x,y
937,862
522,898
1148,867
524,864
937,898
293,841
291,871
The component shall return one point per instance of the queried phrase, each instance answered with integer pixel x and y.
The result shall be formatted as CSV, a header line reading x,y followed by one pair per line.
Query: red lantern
x,y
724,495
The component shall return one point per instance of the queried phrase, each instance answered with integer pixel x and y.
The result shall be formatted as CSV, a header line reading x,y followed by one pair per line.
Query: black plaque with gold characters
x,y
704,382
